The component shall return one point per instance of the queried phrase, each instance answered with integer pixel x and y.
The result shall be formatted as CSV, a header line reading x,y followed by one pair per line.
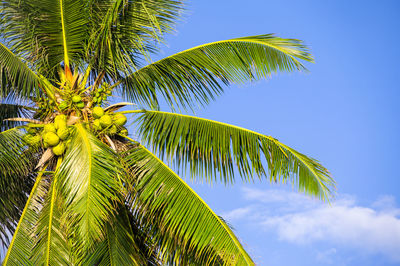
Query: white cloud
x,y
236,214
326,257
300,220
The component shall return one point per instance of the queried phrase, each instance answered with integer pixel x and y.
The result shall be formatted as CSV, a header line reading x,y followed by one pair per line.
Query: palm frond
x,y
9,110
20,249
16,179
210,148
51,244
119,246
15,158
187,224
122,32
16,78
196,74
44,31
88,179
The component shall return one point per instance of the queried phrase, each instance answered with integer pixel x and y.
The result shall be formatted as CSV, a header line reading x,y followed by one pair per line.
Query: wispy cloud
x,y
297,219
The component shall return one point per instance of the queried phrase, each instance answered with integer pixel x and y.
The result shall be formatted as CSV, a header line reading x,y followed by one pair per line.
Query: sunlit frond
x,y
88,180
118,246
9,110
16,78
196,74
187,225
45,31
210,149
124,32
20,249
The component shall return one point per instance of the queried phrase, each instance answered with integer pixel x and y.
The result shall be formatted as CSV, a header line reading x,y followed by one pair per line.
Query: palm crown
x,y
76,187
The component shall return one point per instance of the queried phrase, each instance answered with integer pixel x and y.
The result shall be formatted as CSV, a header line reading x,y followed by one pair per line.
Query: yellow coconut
x,y
50,128
124,132
96,124
76,99
59,149
113,130
98,112
120,119
105,121
51,138
63,133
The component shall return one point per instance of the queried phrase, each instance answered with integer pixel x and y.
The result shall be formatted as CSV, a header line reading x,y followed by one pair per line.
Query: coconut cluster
x,y
54,135
100,95
108,122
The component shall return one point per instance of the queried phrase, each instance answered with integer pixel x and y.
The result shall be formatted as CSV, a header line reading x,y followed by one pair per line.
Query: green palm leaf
x,y
118,246
196,74
9,110
16,179
16,78
47,32
123,31
187,224
20,249
89,185
51,245
209,148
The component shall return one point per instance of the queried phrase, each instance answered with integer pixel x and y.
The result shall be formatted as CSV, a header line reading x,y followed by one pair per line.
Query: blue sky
x,y
344,112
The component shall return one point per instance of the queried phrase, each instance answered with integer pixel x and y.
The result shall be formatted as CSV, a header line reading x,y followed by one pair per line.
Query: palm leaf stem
x,y
53,199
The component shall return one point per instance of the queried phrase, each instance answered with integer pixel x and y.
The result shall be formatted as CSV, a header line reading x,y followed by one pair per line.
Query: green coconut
x,y
76,99
60,121
120,119
95,99
96,124
80,105
63,133
60,118
51,138
124,132
59,149
50,128
113,130
105,121
98,112
63,105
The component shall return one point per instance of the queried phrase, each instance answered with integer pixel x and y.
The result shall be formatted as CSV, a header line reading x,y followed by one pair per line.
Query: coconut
x,y
80,105
51,138
63,105
96,124
113,130
60,118
59,149
124,132
63,133
60,121
98,112
105,121
94,99
120,119
49,128
76,98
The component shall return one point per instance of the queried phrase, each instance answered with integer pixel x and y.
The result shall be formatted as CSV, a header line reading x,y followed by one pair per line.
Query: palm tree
x,y
76,187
